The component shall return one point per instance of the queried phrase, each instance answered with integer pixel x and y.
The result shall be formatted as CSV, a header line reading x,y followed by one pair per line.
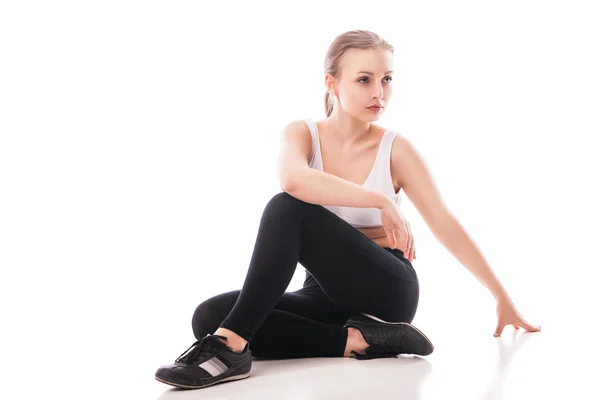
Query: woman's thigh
x,y
354,272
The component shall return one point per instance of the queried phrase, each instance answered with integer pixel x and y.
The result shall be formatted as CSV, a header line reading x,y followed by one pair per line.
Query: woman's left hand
x,y
508,314
395,223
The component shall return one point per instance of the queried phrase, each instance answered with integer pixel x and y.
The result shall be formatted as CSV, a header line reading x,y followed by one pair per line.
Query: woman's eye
x,y
363,78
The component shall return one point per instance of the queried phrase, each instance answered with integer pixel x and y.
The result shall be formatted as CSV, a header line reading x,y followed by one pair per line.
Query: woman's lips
x,y
374,108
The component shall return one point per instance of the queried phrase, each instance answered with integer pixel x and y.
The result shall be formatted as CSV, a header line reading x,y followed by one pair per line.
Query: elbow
x,y
289,181
287,184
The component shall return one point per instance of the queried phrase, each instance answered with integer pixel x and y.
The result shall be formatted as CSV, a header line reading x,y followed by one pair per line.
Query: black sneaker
x,y
211,361
388,339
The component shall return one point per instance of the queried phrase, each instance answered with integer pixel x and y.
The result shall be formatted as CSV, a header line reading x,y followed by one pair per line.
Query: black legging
x,y
346,274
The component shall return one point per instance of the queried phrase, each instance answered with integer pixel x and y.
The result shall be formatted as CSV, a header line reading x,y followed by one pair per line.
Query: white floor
x,y
555,362
112,350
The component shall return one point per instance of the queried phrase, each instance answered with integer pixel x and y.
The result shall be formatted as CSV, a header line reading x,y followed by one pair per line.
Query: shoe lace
x,y
201,348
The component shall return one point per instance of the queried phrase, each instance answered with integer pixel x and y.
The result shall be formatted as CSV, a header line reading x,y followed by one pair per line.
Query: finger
x,y
409,245
399,239
408,254
526,325
405,240
390,238
499,330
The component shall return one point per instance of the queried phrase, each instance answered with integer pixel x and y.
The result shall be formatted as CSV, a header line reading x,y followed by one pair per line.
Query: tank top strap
x,y
314,157
312,126
388,141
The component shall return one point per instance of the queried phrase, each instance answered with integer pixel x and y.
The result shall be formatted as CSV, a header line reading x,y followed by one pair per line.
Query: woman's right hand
x,y
397,230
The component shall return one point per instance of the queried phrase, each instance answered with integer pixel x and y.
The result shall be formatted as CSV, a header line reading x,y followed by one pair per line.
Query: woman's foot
x,y
356,342
388,339
207,362
232,339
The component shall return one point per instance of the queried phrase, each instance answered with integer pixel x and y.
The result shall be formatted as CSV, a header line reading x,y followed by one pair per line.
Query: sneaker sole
x,y
230,378
401,323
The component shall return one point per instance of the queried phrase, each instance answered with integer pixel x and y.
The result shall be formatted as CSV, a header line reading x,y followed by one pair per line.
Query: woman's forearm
x,y
318,187
453,236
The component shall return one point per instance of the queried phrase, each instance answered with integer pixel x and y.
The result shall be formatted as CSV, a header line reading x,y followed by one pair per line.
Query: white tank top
x,y
379,179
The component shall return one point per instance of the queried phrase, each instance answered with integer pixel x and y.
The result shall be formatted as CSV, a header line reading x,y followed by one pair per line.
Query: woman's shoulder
x,y
299,123
298,129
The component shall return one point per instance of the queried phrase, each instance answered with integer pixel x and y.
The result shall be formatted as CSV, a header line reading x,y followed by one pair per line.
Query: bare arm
x,y
318,187
418,184
455,239
313,186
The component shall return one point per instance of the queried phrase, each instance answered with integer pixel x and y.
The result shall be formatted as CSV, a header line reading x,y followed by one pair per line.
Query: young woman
x,y
338,217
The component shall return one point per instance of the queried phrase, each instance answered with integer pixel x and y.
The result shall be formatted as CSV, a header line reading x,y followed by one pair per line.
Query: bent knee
x,y
209,314
284,199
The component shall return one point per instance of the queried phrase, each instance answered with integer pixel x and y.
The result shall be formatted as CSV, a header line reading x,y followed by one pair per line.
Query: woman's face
x,y
365,79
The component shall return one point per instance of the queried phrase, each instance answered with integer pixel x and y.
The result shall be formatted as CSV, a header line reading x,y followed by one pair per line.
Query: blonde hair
x,y
357,39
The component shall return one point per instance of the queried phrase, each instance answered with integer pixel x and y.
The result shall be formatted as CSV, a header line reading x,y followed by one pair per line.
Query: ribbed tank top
x,y
379,179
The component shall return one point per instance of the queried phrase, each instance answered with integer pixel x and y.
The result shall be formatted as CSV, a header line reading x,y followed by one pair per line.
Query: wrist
x,y
502,296
380,200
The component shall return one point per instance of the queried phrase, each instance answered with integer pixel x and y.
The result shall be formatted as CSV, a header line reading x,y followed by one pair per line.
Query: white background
x,y
138,148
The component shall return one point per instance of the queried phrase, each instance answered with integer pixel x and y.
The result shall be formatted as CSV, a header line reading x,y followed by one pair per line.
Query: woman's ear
x,y
330,84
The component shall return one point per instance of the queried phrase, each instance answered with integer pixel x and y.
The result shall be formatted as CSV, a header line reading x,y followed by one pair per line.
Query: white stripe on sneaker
x,y
220,363
214,366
